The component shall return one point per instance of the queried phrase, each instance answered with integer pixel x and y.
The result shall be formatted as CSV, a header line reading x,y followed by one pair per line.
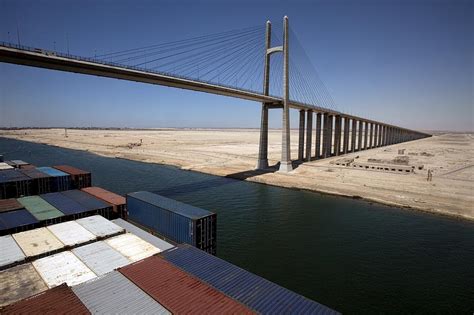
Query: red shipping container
x,y
80,178
178,291
118,202
58,300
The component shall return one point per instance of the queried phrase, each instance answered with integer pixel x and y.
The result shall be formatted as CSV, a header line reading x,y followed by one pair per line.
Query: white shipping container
x,y
38,241
10,252
132,247
71,233
63,267
5,166
100,257
100,226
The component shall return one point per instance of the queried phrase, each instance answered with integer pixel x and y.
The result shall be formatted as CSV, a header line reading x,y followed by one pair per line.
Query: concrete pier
x,y
371,135
285,162
337,135
301,136
309,134
345,141
353,134
317,145
330,135
366,135
359,135
376,136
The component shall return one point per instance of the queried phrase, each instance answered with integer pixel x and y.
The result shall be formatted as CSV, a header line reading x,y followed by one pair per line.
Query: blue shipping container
x,y
17,219
90,202
175,220
60,180
14,184
259,294
63,203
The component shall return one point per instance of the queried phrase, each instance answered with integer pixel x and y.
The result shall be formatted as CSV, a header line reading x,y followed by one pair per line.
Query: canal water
x,y
352,255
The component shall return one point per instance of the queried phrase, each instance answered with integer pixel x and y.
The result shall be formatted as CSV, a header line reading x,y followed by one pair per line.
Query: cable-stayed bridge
x,y
250,63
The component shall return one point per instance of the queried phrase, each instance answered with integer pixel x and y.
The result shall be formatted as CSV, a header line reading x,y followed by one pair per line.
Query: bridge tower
x,y
285,162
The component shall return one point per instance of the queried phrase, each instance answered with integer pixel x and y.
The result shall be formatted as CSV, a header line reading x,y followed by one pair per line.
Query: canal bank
x,y
349,254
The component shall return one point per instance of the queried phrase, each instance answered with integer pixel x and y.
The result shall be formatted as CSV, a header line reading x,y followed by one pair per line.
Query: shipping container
x,y
18,283
63,267
150,238
93,204
41,209
118,202
100,227
60,300
71,233
14,184
259,294
132,247
5,166
80,179
100,257
115,294
38,242
19,163
11,253
179,292
17,221
28,167
66,205
41,182
60,181
175,220
9,205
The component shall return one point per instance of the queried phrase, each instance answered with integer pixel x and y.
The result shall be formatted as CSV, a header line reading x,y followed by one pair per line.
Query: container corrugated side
x,y
261,295
115,294
39,208
132,247
9,205
10,252
17,221
150,238
90,202
100,226
60,181
14,184
41,182
37,242
63,267
179,292
71,233
19,282
64,204
100,257
60,300
80,178
174,220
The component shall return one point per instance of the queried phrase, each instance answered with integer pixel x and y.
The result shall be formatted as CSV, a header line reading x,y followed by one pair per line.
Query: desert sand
x,y
233,153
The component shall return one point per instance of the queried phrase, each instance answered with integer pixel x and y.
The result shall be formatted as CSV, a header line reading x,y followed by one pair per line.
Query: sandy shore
x,y
234,153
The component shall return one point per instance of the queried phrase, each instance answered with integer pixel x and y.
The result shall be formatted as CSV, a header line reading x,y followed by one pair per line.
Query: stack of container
x,y
175,220
41,210
14,184
80,179
91,203
60,181
40,182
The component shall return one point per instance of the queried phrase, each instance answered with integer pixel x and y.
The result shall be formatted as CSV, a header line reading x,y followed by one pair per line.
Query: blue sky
x,y
405,62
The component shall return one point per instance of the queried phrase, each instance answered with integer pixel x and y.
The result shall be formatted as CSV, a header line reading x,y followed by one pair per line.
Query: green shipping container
x,y
39,208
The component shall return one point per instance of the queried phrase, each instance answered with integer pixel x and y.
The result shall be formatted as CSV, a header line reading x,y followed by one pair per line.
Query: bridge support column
x,y
317,144
359,135
262,162
371,135
330,135
381,135
366,135
301,136
353,134
337,135
345,142
325,135
285,163
309,134
376,136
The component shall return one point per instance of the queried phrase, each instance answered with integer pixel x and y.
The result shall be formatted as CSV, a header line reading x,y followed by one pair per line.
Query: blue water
x,y
351,255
